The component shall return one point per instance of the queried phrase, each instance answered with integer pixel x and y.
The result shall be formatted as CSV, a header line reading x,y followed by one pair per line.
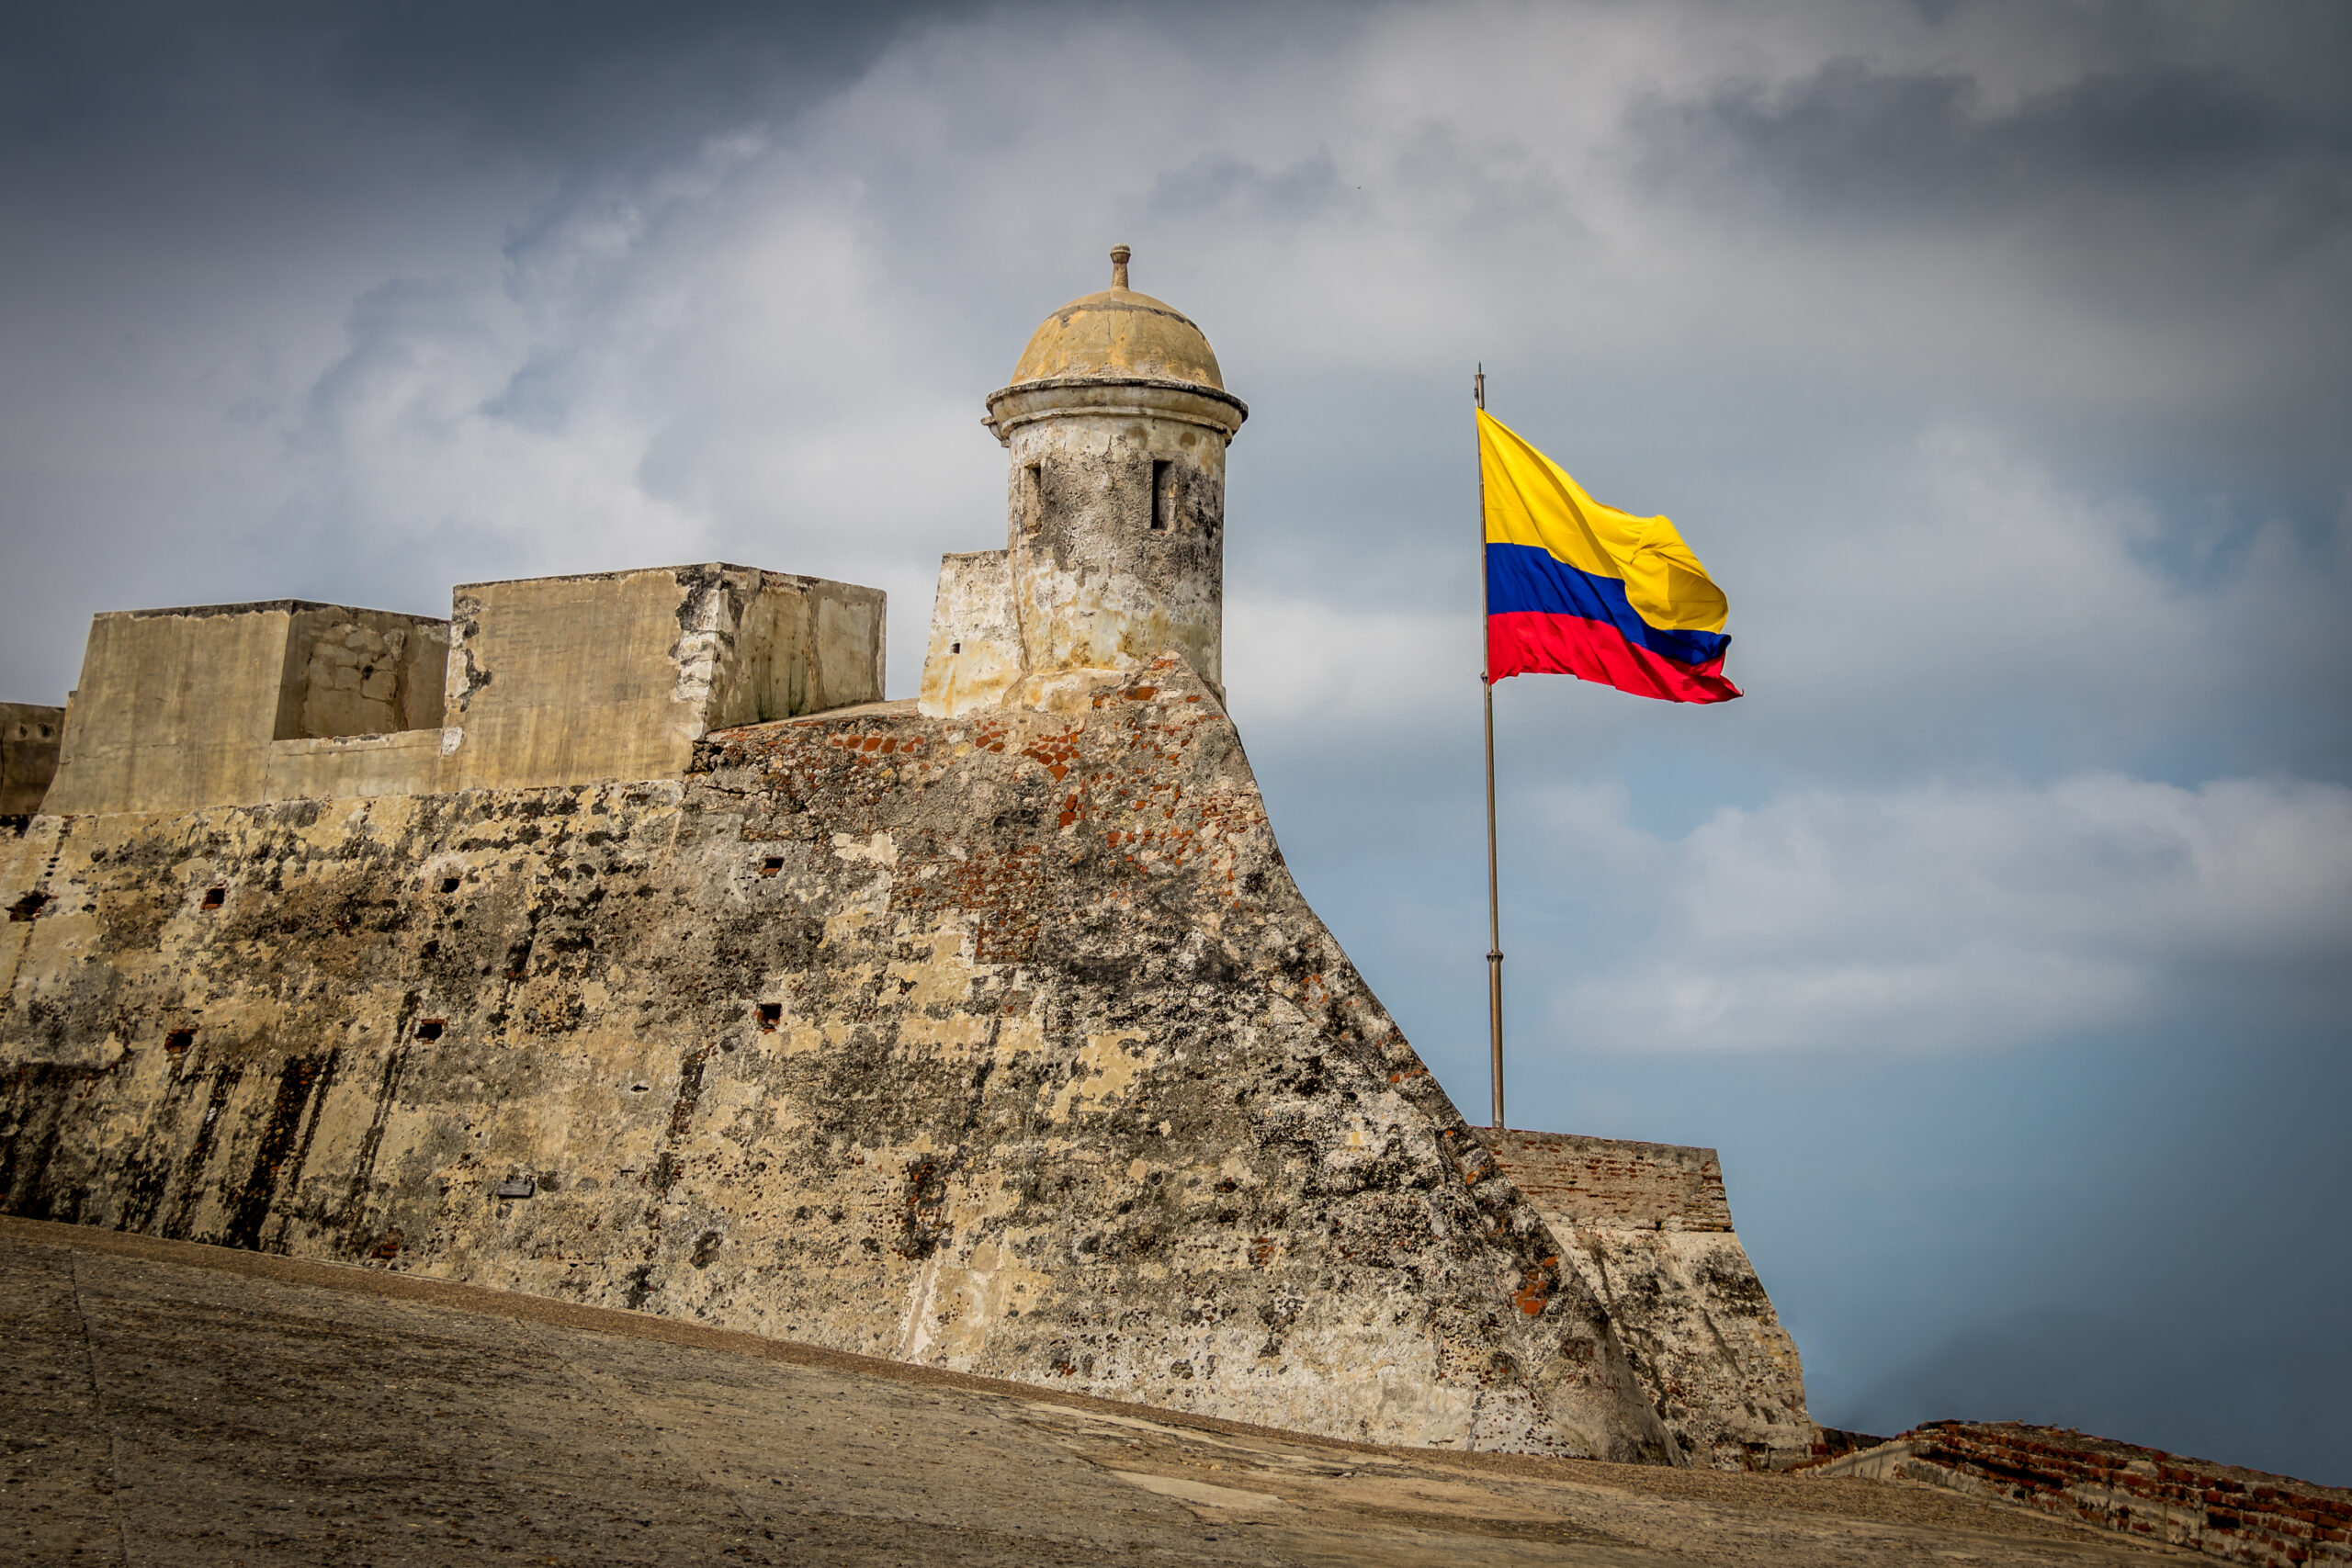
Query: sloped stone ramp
x,y
171,1404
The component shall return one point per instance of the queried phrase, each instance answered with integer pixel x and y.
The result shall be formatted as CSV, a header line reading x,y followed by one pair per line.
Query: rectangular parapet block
x,y
29,741
182,709
975,653
407,762
543,682
615,675
1615,1183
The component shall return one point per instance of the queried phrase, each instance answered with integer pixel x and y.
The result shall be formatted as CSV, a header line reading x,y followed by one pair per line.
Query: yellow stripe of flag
x,y
1531,500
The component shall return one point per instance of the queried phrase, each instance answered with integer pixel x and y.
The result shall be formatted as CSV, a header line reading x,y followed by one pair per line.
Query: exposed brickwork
x,y
1616,1182
2238,1516
1647,1228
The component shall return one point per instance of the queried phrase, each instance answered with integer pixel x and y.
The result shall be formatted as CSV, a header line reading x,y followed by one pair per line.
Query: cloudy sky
x,y
1997,358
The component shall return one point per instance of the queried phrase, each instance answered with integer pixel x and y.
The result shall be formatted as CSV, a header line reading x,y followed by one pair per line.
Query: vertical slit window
x,y
1032,498
1163,495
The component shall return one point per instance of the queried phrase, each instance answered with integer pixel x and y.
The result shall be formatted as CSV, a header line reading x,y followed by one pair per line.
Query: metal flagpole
x,y
1486,684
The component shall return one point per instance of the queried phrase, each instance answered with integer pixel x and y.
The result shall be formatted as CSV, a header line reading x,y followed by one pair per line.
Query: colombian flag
x,y
1577,588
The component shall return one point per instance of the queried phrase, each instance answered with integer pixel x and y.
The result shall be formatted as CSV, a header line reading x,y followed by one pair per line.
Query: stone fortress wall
x,y
550,680
614,941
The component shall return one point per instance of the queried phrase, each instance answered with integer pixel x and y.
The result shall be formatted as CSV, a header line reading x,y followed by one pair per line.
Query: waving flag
x,y
1577,588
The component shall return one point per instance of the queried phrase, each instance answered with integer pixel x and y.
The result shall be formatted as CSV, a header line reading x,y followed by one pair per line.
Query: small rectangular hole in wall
x,y
1163,496
770,1013
215,896
955,648
448,884
1032,498
771,865
431,1029
179,1040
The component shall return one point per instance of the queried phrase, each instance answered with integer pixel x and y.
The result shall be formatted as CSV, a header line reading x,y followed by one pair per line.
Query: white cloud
x,y
1969,917
1308,662
1969,584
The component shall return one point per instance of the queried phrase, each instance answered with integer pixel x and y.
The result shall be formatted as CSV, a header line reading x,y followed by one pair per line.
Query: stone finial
x,y
1119,254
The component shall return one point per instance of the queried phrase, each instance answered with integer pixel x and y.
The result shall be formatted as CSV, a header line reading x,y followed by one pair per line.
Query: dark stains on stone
x,y
681,1109
640,1287
36,1100
663,1176
249,1204
358,1208
226,1077
922,1222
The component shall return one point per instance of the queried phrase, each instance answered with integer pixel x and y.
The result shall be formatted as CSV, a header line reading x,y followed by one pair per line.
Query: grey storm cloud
x,y
1994,357
1224,184
1862,143
575,83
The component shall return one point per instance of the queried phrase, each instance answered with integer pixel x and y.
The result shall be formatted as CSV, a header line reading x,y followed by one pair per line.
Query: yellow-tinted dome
x,y
1119,333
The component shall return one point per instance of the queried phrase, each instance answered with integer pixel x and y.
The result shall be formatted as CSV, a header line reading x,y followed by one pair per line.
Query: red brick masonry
x,y
1614,1182
2239,1515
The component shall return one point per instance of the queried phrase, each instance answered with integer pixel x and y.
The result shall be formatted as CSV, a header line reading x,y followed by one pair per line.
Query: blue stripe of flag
x,y
1523,578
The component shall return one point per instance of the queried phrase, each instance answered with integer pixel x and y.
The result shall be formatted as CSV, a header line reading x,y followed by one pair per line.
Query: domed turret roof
x,y
1118,334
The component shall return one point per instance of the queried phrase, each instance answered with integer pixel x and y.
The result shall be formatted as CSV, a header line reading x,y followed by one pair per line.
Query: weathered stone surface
x,y
2222,1510
1119,334
1001,1043
29,741
171,1404
550,680
1117,421
179,709
975,657
1648,1228
615,676
1117,535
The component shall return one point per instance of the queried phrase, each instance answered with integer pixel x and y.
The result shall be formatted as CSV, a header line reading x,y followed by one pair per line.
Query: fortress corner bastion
x,y
614,939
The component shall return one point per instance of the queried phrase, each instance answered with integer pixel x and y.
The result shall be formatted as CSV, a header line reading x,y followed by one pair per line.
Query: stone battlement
x,y
1615,1182
540,682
